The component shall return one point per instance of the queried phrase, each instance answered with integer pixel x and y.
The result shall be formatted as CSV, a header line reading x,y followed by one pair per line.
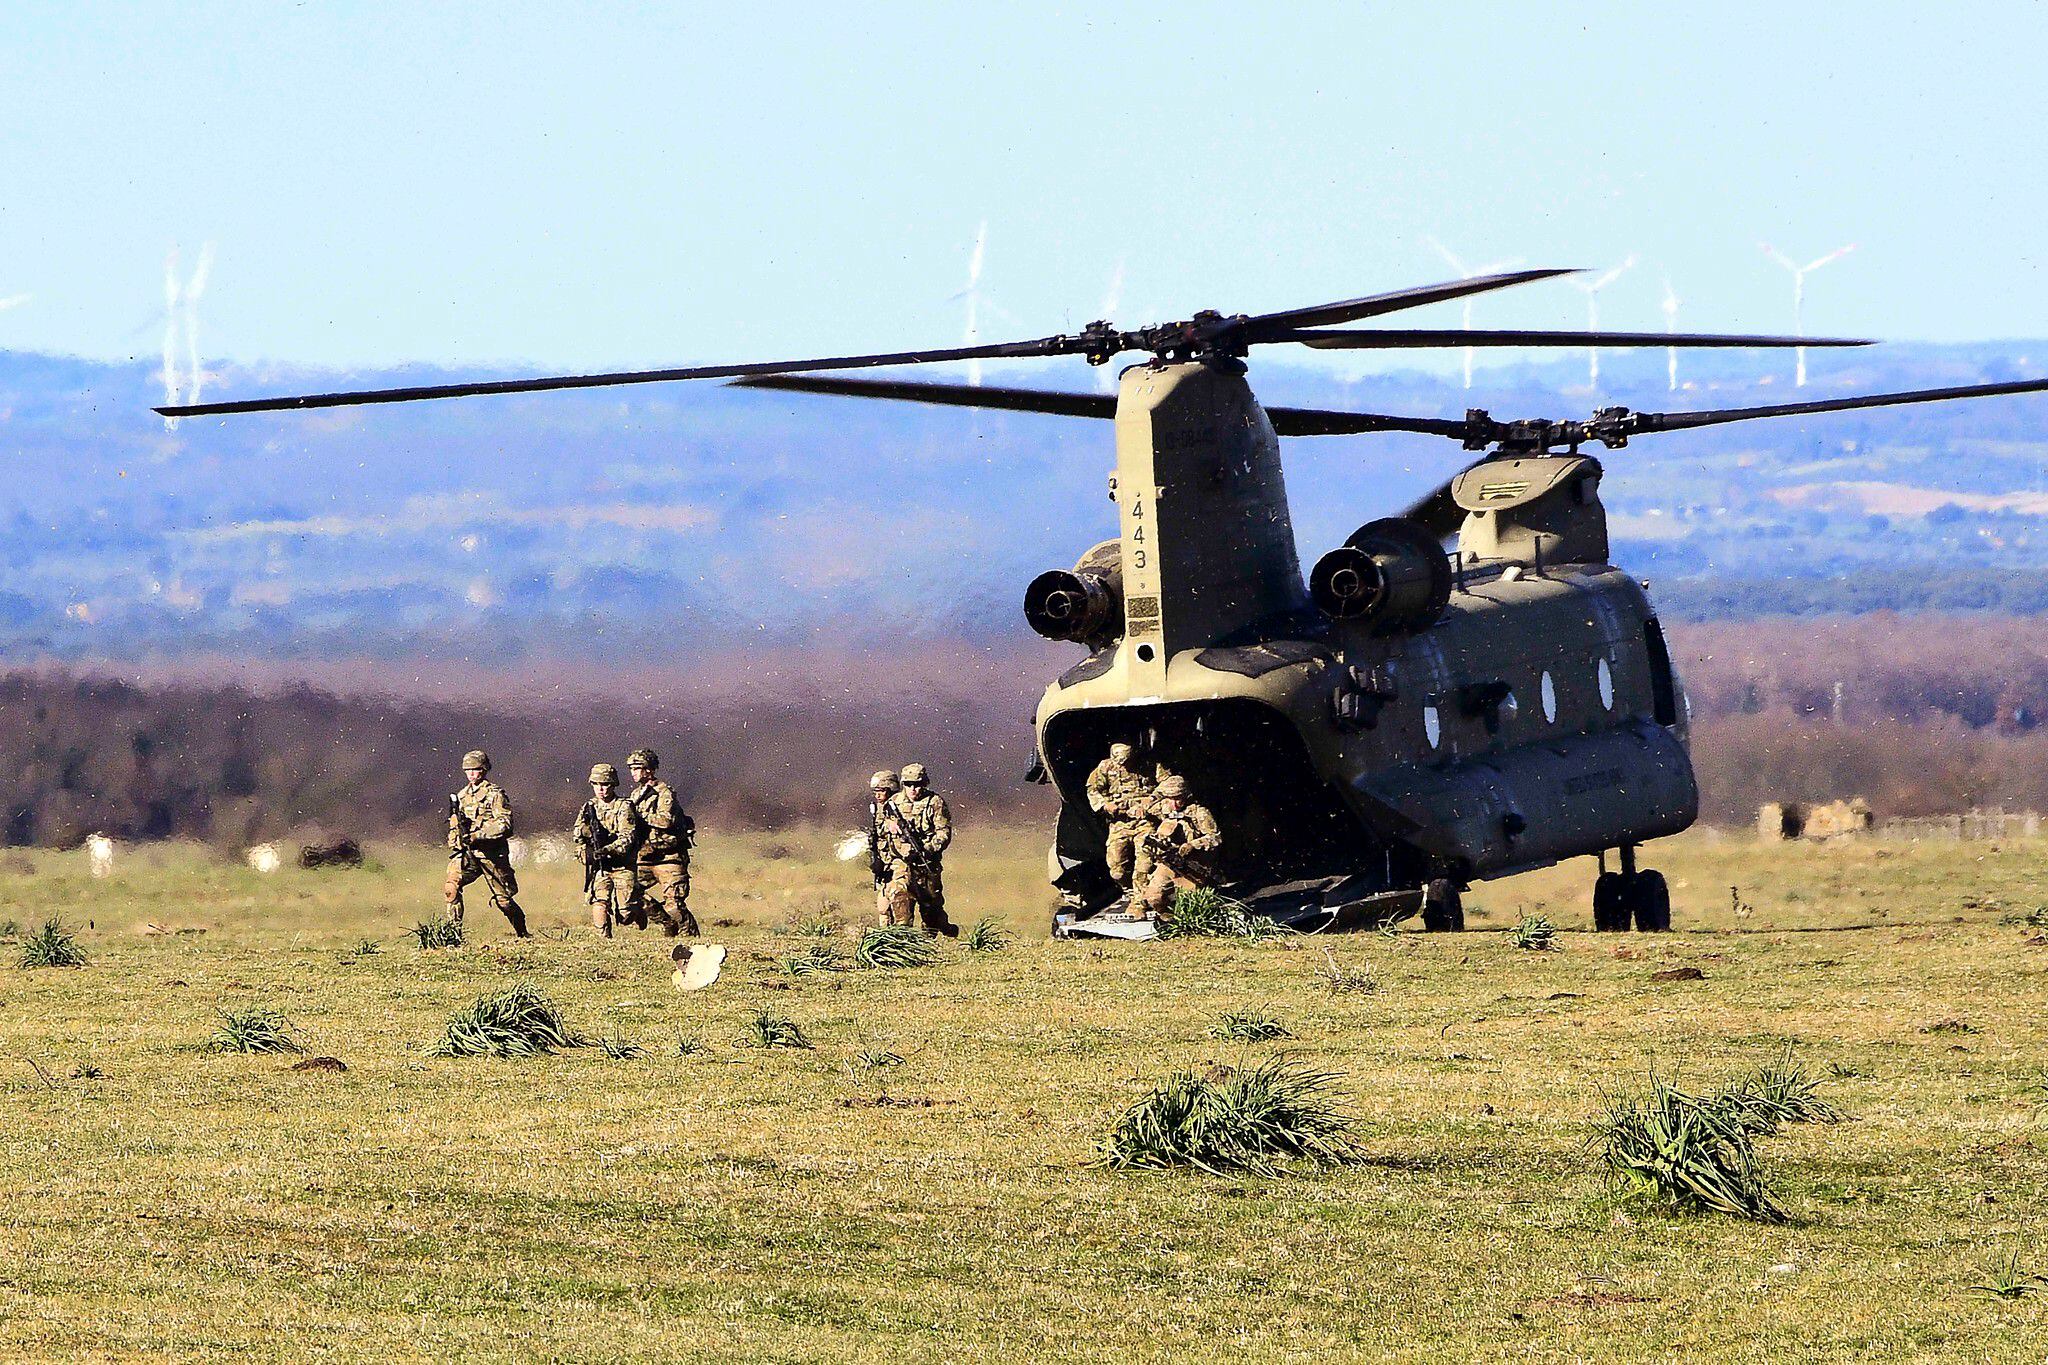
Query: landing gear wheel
x,y
1443,907
1650,900
1610,903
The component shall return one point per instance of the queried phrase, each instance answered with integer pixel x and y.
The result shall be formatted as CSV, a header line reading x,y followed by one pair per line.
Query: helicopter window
x,y
1432,728
1549,698
1663,686
1604,676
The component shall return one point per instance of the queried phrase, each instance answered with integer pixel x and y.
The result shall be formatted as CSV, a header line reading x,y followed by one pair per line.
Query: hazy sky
x,y
581,186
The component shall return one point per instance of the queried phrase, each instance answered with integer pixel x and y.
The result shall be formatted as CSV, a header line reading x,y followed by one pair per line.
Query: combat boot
x,y
688,927
512,913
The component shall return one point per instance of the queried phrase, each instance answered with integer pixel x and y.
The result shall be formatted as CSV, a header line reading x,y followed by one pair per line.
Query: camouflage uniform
x,y
663,873
480,844
882,840
1122,797
913,834
610,828
1180,850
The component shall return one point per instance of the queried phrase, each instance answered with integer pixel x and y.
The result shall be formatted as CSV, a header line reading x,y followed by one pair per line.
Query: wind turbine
x,y
181,325
1593,289
972,293
1670,325
1466,272
1799,274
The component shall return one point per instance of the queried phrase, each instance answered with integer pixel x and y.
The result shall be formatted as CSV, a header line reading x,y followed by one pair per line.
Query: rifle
x,y
586,846
459,823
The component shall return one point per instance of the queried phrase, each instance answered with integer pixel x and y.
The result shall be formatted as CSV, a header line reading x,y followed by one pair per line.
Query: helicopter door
x,y
1663,685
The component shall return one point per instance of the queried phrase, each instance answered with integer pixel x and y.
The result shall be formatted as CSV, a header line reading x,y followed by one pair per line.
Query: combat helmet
x,y
1120,751
914,775
604,772
643,758
1174,788
478,759
884,781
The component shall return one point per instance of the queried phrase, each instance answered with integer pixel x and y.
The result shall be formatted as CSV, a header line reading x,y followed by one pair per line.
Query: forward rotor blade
x,y
1261,327
1286,421
1682,421
1058,345
1447,337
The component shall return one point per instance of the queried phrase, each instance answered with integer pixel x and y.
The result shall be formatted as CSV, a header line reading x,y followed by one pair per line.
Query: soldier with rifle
x,y
1121,796
608,835
1179,851
663,871
883,841
480,842
922,827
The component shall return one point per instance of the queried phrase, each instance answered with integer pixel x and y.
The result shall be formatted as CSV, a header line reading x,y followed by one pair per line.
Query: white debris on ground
x,y
517,851
854,845
549,848
263,858
100,849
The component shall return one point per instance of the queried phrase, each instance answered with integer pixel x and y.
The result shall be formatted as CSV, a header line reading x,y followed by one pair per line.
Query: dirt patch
x,y
320,1064
1679,974
887,1102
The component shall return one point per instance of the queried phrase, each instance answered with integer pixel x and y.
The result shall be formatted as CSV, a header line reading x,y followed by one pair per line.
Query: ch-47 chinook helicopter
x,y
1407,720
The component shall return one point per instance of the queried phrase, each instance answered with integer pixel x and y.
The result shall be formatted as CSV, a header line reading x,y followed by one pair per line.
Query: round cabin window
x,y
1549,699
1605,677
1432,728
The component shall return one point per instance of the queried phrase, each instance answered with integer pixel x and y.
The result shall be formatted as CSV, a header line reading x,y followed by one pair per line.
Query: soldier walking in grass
x,y
480,842
609,833
1122,796
923,828
1180,850
884,839
662,873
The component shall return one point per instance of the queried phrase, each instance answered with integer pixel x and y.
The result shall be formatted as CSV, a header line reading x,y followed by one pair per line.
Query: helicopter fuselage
x,y
1526,712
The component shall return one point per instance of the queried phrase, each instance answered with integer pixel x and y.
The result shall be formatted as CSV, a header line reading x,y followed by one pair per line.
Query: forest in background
x,y
1921,715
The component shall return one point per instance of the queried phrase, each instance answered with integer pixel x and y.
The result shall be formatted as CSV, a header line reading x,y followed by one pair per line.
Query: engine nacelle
x,y
1391,574
1085,604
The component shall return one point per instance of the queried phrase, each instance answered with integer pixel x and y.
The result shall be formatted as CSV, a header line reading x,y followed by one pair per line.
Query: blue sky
x,y
571,187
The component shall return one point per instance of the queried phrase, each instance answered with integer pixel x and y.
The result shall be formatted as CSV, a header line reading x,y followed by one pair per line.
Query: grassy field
x,y
159,1199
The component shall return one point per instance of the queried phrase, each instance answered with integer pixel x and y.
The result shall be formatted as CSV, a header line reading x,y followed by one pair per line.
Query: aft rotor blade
x,y
1286,421
1681,421
1059,345
1261,327
1438,512
1420,338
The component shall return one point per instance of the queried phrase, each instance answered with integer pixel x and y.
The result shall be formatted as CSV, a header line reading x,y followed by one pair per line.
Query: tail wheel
x,y
1443,907
1610,903
1650,899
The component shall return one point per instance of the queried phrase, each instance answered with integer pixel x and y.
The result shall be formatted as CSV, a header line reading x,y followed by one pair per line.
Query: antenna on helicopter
x,y
1799,274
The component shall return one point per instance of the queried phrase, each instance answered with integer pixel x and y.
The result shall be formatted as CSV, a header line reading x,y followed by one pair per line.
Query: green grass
x,y
438,933
1260,1119
895,945
1535,933
987,936
1669,1150
254,1030
822,956
51,945
766,1029
758,1204
1248,1026
1203,912
520,1022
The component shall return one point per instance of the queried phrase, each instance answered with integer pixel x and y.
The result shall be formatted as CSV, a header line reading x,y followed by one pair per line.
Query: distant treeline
x,y
1920,714
2009,590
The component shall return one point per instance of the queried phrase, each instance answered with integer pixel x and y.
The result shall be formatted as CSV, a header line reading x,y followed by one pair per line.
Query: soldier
x,y
923,827
883,841
664,865
609,833
480,842
1122,795
1180,850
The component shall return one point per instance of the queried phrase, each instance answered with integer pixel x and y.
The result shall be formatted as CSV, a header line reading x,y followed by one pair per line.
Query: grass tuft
x,y
520,1022
766,1029
1204,912
619,1049
1339,979
1770,1096
1536,934
1679,1152
895,945
690,1045
1248,1026
254,1030
1255,1119
2036,918
874,1059
987,936
51,946
822,956
814,924
439,933
2008,1281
